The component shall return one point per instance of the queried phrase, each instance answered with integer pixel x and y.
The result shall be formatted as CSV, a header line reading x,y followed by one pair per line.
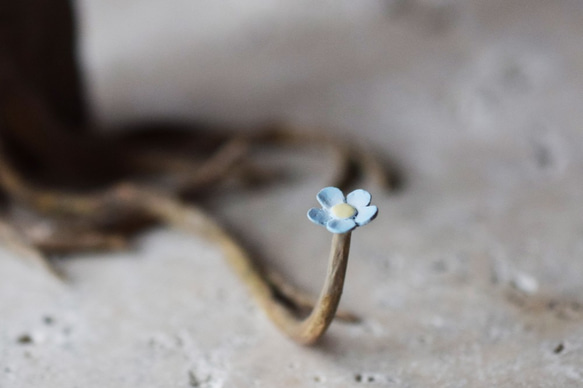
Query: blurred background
x,y
405,74
472,274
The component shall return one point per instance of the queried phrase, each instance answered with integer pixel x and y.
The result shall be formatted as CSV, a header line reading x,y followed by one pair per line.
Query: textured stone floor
x,y
472,275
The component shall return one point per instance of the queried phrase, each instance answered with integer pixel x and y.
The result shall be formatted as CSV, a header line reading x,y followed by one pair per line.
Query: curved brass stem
x,y
316,324
305,331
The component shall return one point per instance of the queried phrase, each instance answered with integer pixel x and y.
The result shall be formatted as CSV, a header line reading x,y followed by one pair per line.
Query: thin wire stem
x,y
310,330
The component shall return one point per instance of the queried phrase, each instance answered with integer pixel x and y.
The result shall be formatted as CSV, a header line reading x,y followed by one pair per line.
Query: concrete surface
x,y
472,275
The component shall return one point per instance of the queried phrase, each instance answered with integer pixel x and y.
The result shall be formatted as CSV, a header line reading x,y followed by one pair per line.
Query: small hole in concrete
x,y
25,339
317,379
542,156
559,348
366,378
439,266
48,320
192,379
196,382
553,304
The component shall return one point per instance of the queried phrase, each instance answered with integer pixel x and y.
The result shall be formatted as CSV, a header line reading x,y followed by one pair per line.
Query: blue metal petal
x,y
340,226
318,216
359,198
366,214
329,197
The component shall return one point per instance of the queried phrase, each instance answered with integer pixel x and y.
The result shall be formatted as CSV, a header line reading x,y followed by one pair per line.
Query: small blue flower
x,y
341,215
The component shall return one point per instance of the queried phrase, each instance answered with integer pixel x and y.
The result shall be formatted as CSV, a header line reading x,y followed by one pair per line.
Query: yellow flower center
x,y
343,210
